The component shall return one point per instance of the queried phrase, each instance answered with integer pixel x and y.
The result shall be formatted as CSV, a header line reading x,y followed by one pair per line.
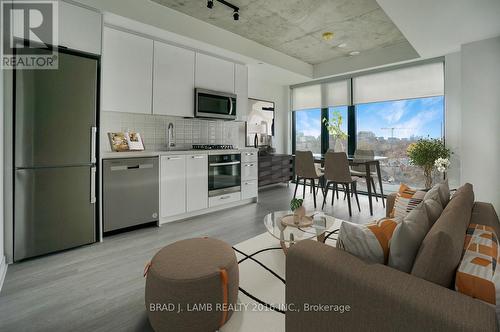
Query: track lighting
x,y
236,14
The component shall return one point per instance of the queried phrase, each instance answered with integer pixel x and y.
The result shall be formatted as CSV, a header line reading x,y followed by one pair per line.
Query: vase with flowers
x,y
429,154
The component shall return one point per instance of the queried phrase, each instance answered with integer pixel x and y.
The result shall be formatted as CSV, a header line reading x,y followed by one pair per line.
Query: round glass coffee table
x,y
288,235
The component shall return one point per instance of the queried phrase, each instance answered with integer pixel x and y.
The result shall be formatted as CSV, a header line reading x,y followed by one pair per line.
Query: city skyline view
x,y
387,128
420,117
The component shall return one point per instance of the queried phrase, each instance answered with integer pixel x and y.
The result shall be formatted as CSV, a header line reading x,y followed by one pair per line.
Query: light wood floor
x,y
100,287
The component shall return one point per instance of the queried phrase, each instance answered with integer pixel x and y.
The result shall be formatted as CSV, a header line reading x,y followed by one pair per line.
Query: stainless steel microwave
x,y
214,104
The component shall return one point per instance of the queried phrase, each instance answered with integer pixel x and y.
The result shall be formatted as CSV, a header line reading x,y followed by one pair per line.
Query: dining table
x,y
366,162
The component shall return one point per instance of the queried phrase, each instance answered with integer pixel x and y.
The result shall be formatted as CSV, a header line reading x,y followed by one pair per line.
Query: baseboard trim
x,y
3,271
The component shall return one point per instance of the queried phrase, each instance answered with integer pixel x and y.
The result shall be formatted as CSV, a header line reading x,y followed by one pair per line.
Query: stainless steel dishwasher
x,y
131,192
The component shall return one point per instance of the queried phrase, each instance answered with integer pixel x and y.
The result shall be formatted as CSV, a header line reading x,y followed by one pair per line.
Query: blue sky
x,y
418,117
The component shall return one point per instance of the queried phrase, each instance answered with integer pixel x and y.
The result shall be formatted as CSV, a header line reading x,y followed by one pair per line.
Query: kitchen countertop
x,y
152,153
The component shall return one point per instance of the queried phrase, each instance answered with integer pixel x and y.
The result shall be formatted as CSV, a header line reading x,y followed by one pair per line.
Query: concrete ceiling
x,y
436,28
295,27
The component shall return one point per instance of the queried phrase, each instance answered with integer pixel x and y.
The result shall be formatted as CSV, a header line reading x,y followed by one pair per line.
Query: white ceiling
x,y
439,27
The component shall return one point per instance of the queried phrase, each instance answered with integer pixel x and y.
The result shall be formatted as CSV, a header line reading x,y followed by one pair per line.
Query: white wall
x,y
480,146
453,114
259,88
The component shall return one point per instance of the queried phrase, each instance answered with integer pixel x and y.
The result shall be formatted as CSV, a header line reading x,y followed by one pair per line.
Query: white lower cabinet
x,y
196,182
249,189
249,171
249,174
224,199
172,185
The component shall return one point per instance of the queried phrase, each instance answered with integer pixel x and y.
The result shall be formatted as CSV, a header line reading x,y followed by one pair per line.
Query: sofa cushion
x,y
407,238
444,192
434,210
441,250
433,194
369,242
478,275
406,200
485,214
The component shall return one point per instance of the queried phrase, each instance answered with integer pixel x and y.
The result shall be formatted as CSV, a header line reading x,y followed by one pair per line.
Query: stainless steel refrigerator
x,y
55,156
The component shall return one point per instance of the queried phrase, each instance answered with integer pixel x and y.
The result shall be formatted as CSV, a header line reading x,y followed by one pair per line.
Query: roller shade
x,y
320,95
405,83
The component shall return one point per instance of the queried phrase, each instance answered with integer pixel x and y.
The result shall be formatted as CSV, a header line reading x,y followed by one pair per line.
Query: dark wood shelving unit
x,y
275,168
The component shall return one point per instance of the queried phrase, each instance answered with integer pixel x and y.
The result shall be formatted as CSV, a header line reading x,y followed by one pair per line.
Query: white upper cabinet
x,y
127,66
173,87
79,28
241,90
214,73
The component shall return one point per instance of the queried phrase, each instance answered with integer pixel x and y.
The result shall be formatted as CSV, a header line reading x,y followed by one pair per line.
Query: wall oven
x,y
213,104
224,174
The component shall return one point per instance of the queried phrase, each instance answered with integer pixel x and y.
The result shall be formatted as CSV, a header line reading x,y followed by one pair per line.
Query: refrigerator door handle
x,y
92,185
93,140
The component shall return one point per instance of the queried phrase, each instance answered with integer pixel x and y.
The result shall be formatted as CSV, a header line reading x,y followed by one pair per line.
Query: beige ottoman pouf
x,y
190,285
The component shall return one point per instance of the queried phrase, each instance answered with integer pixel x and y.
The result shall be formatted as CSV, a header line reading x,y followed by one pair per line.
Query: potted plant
x,y
299,211
334,127
428,154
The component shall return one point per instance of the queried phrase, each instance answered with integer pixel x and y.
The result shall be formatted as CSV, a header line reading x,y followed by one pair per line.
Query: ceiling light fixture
x,y
354,53
236,9
328,35
342,45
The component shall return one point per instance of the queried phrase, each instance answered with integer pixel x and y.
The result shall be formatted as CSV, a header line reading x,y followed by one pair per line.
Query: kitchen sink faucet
x,y
170,136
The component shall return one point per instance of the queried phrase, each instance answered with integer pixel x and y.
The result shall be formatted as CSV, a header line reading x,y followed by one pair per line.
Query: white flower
x,y
442,164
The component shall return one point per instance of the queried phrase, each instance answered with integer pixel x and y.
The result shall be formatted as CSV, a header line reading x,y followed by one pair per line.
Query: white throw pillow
x,y
369,241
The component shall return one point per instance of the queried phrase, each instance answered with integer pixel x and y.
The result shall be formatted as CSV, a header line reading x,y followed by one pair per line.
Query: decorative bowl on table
x,y
294,220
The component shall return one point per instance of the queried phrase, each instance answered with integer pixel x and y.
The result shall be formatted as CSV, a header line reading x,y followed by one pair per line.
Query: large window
x,y
388,111
308,130
388,128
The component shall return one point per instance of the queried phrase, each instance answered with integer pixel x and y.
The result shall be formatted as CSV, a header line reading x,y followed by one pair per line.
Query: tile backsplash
x,y
153,129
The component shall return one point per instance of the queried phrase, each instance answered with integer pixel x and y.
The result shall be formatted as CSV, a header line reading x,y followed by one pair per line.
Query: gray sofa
x,y
381,298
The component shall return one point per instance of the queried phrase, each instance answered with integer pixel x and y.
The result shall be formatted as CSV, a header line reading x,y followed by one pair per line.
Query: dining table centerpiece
x,y
299,211
429,154
334,127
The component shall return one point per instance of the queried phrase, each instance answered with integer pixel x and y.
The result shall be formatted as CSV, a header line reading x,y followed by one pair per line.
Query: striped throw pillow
x,y
477,274
369,242
406,200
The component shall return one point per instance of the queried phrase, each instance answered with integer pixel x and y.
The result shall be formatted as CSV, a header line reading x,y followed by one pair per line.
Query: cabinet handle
x,y
249,154
93,140
249,165
225,197
92,185
198,157
173,158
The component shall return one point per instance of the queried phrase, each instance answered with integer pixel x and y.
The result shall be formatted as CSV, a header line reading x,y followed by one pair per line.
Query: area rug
x,y
259,287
